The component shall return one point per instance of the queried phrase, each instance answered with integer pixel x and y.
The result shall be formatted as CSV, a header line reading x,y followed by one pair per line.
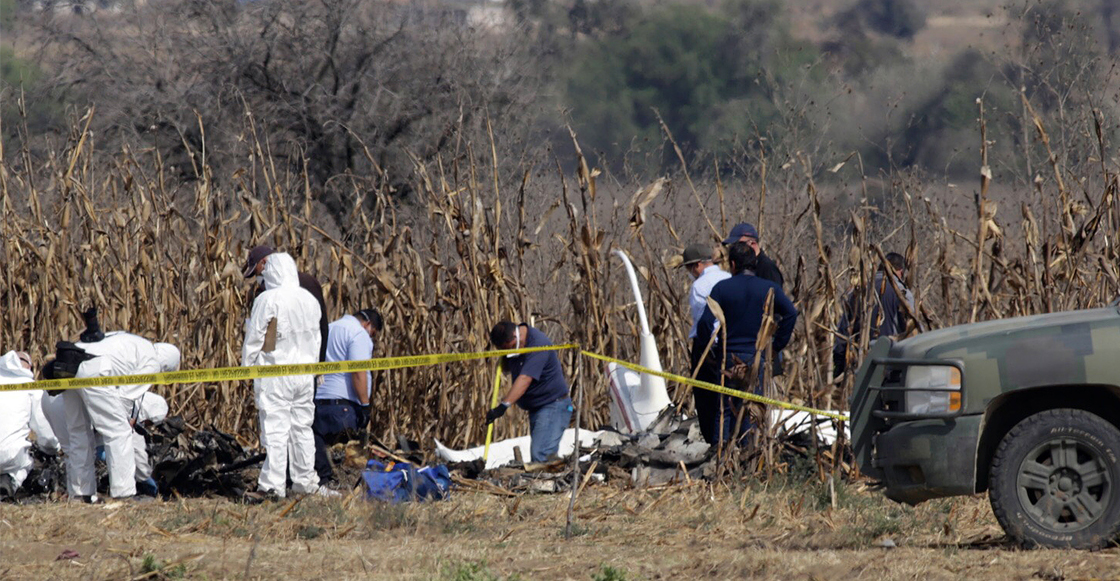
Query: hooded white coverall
x,y
54,409
19,416
285,404
150,406
106,411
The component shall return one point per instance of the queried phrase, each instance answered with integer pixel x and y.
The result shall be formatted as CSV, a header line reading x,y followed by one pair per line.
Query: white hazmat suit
x,y
285,404
151,406
54,409
19,416
106,411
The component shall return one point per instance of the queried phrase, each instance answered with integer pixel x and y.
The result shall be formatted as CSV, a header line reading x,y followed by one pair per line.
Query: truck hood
x,y
964,336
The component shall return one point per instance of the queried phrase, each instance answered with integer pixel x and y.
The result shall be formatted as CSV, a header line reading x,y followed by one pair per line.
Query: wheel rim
x,y
1064,484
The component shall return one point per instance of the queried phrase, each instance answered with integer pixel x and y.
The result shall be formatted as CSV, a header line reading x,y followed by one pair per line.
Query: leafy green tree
x,y
707,74
7,15
939,129
898,18
20,77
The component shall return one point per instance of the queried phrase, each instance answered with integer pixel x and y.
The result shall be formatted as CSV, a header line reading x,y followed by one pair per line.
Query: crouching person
x,y
105,412
538,387
19,416
342,401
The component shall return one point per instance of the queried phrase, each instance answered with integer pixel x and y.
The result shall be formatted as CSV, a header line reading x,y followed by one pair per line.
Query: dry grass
x,y
478,243
779,531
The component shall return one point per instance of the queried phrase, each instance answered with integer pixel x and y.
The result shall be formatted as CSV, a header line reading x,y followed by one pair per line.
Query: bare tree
x,y
330,87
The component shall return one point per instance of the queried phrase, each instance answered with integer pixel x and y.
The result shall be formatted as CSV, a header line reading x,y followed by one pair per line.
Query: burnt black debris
x,y
45,480
204,463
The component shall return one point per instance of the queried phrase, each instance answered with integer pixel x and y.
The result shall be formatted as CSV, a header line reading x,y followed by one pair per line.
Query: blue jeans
x,y
333,423
546,425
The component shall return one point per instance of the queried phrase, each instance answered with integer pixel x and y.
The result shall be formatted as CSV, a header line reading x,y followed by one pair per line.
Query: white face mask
x,y
517,345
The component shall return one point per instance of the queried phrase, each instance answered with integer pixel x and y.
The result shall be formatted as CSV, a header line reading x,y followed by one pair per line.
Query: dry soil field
x,y
697,531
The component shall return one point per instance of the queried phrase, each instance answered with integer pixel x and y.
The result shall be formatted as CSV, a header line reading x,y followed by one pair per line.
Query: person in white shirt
x,y
342,400
705,273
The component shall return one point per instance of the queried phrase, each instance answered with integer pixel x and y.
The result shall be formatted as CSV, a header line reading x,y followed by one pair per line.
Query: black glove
x,y
496,413
363,416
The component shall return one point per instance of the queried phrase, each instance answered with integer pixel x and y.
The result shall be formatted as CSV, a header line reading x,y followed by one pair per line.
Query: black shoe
x,y
7,487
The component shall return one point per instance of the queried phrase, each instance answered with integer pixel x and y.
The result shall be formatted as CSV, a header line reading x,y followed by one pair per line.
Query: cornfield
x,y
483,239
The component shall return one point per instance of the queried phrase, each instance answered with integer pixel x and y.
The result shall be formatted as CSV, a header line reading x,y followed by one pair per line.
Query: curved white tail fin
x,y
644,402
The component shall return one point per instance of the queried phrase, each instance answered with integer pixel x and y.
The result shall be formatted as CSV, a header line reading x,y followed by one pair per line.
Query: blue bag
x,y
401,482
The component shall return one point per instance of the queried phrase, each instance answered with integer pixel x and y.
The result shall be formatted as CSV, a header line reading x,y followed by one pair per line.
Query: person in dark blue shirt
x,y
539,387
888,315
742,298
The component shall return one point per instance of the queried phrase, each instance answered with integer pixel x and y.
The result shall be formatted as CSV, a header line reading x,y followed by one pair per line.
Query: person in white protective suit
x,y
19,416
283,329
108,412
54,409
151,407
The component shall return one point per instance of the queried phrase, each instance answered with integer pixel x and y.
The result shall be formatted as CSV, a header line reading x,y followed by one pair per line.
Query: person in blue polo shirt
x,y
342,400
539,387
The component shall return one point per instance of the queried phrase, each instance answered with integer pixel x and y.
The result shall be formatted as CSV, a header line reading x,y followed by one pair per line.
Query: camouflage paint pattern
x,y
1068,348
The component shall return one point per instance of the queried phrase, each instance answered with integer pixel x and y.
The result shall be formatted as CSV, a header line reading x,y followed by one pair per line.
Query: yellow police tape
x,y
717,388
255,372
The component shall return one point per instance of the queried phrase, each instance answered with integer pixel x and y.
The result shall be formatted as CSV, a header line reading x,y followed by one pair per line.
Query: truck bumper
x,y
925,459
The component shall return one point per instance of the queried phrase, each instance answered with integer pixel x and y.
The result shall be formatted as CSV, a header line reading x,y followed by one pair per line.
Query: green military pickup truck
x,y
1027,409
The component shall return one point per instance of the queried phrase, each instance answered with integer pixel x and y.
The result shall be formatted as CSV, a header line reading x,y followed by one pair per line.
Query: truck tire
x,y
1055,480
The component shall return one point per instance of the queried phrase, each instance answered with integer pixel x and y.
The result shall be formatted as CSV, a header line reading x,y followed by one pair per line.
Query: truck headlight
x,y
919,378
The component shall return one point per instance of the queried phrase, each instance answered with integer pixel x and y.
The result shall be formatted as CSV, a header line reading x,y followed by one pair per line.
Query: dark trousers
x,y
717,413
707,402
707,412
333,423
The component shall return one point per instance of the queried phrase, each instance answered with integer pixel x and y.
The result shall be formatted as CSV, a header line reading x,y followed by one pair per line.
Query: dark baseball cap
x,y
696,253
256,255
740,230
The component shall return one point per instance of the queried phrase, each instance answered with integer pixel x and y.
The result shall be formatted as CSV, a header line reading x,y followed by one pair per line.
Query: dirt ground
x,y
683,532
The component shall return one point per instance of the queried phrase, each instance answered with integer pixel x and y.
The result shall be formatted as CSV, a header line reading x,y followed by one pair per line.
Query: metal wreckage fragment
x,y
671,452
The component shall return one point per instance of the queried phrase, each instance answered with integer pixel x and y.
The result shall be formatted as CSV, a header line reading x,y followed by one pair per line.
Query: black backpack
x,y
68,357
